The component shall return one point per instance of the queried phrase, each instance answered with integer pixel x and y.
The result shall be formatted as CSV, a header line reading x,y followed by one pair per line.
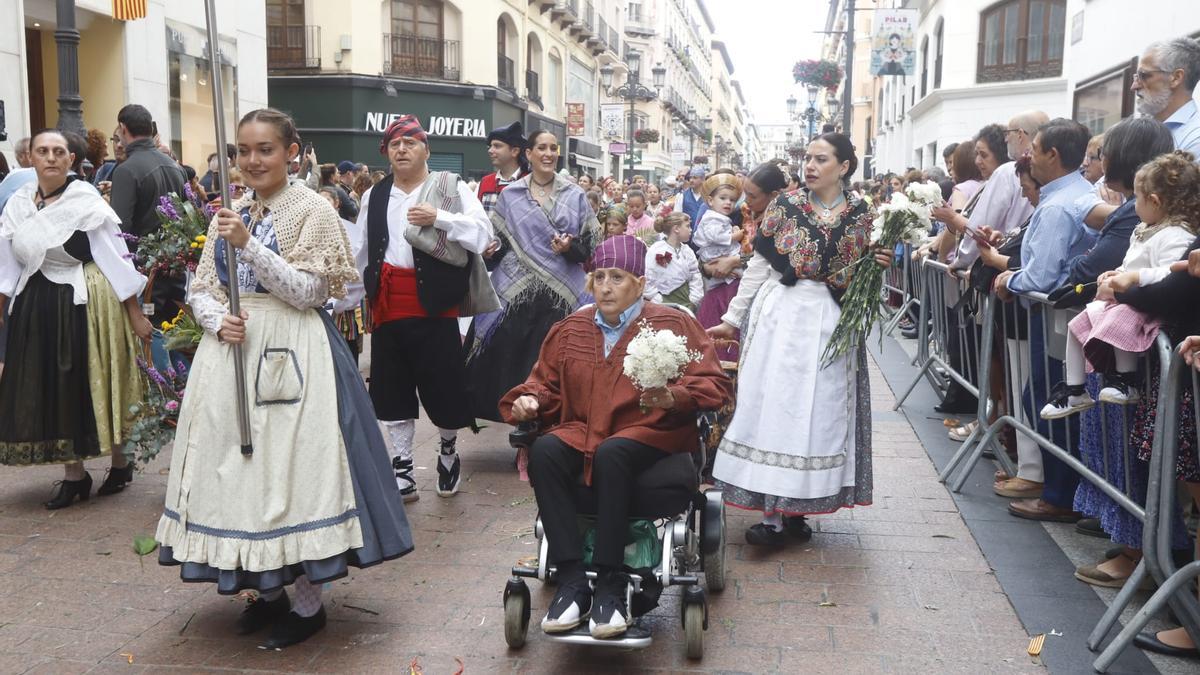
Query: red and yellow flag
x,y
128,10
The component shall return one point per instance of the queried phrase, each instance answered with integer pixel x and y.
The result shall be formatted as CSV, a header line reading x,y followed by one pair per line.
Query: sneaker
x,y
906,323
294,629
762,534
1066,400
797,527
1119,390
962,433
448,479
260,613
405,480
609,620
571,605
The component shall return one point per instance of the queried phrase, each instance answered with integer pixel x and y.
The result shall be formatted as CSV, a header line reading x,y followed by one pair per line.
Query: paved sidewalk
x,y
897,587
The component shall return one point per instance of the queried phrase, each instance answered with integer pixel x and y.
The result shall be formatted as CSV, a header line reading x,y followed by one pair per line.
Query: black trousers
x,y
412,357
554,472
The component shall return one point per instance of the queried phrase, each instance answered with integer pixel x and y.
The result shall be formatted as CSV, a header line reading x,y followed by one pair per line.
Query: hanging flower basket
x,y
700,159
646,135
795,151
821,73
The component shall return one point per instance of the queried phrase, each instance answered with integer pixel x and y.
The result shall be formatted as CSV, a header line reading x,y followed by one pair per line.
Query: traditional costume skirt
x,y
680,296
799,442
314,497
46,412
505,357
713,307
115,381
1103,325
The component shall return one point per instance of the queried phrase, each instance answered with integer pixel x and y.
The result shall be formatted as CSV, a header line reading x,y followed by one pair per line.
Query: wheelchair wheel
x,y
693,631
714,561
516,618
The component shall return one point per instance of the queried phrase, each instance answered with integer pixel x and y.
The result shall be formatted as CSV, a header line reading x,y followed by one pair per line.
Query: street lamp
x,y
810,114
633,91
833,104
719,148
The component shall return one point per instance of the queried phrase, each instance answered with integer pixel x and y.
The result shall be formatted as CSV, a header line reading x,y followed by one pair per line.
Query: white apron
x,y
292,500
792,434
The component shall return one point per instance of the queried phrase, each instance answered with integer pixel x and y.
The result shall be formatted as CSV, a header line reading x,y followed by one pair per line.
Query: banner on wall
x,y
575,119
612,120
892,42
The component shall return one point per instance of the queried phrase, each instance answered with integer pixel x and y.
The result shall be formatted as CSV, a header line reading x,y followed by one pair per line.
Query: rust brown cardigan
x,y
584,398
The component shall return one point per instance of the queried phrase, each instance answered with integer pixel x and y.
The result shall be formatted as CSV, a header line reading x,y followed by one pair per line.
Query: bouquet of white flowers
x,y
655,358
906,218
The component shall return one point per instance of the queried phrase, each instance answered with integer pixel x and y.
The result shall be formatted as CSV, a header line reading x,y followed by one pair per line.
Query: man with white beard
x,y
1165,79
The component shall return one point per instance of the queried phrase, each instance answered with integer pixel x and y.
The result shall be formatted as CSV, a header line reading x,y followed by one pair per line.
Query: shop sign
x,y
575,119
437,126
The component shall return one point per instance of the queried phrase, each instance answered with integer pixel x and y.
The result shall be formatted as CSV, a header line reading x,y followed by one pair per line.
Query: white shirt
x,y
1001,207
683,268
1152,258
714,239
472,229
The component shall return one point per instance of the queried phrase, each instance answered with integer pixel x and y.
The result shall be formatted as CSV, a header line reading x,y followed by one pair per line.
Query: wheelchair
x,y
691,527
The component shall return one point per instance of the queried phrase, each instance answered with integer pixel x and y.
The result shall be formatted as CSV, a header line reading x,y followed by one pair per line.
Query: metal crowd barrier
x,y
899,279
945,331
1173,586
1060,438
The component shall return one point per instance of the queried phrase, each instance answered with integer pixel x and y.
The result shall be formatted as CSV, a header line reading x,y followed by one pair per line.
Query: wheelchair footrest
x,y
636,637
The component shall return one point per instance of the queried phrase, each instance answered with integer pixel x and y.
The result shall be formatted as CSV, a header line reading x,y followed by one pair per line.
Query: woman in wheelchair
x,y
602,431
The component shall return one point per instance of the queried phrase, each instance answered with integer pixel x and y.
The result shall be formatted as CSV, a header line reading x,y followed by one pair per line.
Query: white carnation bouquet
x,y
907,218
655,358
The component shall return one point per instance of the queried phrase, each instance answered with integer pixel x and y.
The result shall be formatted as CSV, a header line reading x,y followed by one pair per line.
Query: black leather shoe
x,y
115,481
762,535
261,613
1151,643
1091,527
293,629
958,406
68,490
797,527
910,333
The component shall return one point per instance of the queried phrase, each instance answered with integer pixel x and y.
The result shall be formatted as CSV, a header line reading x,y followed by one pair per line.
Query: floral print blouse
x,y
800,247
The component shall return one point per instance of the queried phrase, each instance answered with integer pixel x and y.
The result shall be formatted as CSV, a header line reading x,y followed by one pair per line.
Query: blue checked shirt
x,y
1185,128
612,334
1055,236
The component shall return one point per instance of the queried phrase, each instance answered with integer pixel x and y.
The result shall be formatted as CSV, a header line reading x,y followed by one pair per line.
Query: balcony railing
x,y
596,42
532,86
636,22
422,57
506,73
614,40
293,47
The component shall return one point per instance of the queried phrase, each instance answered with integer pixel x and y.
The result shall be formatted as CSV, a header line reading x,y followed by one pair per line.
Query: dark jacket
x,y
138,182
1109,250
1175,300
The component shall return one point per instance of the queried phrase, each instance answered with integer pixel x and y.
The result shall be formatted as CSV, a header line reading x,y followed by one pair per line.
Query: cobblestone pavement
x,y
900,586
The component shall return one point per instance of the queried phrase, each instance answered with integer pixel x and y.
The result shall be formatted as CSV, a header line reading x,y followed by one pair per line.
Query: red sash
x,y
397,298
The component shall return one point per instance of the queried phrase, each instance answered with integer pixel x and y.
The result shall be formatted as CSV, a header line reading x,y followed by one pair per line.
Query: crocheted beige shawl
x,y
310,234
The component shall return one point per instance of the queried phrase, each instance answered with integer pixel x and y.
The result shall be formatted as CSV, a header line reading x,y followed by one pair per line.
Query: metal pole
x,y
847,88
629,148
70,103
239,366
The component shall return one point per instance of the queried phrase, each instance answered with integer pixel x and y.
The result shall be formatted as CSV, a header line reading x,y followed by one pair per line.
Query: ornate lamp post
x,y
720,146
633,91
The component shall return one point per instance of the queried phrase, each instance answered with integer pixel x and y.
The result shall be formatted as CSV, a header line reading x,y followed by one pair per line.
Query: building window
x,y
1105,99
924,66
553,86
1021,40
417,47
937,64
290,43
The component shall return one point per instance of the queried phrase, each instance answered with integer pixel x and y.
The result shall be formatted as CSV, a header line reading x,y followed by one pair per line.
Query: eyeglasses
x,y
1141,75
1013,131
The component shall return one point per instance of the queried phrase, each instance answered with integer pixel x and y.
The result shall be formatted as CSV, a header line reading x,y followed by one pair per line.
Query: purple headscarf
x,y
623,252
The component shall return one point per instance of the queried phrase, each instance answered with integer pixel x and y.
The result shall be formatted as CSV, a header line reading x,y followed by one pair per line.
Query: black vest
x,y
440,286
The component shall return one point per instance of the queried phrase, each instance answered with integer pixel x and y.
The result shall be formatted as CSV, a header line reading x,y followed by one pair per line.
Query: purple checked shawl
x,y
530,265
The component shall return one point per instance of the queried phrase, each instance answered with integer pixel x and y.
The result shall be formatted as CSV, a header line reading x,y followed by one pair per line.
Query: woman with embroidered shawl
x,y
800,439
71,374
547,231
316,495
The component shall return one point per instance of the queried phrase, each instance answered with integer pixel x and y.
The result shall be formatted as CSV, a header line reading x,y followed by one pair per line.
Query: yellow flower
x,y
201,239
166,325
1078,289
195,245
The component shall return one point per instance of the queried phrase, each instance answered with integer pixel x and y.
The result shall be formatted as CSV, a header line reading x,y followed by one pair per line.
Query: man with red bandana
x,y
421,235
